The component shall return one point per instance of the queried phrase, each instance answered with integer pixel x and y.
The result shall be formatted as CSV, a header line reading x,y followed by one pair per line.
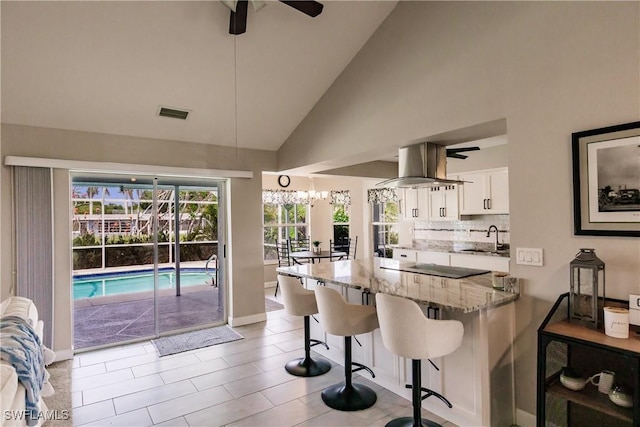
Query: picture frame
x,y
606,181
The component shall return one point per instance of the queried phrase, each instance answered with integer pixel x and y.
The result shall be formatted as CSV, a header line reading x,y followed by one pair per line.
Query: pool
x,y
127,282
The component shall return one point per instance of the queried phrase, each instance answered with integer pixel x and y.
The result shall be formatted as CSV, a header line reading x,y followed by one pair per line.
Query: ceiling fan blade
x,y
311,8
462,150
457,156
238,19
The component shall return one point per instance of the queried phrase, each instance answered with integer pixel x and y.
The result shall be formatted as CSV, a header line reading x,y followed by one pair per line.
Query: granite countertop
x,y
466,295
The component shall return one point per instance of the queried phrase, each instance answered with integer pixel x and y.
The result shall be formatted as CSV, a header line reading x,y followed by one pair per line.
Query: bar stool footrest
x,y
349,398
361,367
318,342
430,392
308,367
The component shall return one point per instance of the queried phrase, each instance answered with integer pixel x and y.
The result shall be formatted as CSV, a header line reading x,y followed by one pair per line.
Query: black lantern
x,y
587,276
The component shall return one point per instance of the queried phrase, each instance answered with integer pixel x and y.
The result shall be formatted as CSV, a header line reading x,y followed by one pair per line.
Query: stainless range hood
x,y
421,165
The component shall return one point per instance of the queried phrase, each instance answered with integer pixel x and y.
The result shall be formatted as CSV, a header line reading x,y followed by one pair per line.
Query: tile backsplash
x,y
472,229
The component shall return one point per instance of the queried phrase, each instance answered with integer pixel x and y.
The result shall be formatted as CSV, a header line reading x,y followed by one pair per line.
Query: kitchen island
x,y
477,378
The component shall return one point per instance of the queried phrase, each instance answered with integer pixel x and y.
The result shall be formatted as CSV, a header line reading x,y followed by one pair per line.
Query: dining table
x,y
297,256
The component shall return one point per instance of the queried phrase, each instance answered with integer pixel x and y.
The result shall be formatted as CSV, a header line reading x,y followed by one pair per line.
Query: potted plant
x,y
316,246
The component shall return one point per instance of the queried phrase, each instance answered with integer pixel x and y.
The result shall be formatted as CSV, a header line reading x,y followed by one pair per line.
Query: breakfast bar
x,y
483,363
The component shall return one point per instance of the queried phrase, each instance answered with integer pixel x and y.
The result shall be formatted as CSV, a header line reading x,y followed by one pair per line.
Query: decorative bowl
x,y
571,380
573,383
621,396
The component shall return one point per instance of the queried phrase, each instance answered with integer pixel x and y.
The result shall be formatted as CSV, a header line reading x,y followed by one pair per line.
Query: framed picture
x,y
606,181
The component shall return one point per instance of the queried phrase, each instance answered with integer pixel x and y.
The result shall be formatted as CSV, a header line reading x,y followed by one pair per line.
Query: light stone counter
x,y
466,295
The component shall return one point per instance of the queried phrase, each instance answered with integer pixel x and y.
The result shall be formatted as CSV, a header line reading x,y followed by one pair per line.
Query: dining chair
x,y
341,245
353,246
283,260
298,246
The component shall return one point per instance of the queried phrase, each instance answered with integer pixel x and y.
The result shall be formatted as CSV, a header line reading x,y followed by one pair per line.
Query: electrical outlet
x,y
529,256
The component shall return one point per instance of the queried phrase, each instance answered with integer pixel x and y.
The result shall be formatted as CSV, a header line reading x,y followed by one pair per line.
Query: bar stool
x,y
343,319
301,302
408,333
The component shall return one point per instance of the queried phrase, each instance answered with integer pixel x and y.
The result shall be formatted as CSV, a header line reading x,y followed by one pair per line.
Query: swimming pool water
x,y
130,282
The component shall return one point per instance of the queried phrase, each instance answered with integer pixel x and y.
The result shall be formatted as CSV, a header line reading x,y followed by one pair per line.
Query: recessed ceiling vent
x,y
174,113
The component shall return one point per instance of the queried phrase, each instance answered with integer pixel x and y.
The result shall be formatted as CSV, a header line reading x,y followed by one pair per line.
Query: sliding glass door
x,y
147,257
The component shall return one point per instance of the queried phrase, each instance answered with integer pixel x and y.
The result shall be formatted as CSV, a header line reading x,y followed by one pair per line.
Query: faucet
x,y
498,245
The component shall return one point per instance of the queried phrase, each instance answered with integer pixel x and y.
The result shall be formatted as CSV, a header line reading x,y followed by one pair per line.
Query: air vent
x,y
173,113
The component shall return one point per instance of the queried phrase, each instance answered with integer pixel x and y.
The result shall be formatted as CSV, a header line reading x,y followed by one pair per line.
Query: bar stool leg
x,y
416,400
348,396
306,366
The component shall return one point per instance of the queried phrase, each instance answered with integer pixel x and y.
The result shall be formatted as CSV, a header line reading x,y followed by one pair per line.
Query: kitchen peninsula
x,y
477,378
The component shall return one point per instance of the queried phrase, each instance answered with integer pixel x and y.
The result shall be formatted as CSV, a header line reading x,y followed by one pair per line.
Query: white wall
x,y
548,68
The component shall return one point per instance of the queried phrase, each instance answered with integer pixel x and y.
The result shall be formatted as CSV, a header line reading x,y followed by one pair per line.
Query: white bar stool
x,y
408,333
301,302
343,319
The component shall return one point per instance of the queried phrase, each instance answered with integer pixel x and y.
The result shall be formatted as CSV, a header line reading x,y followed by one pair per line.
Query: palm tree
x,y
128,193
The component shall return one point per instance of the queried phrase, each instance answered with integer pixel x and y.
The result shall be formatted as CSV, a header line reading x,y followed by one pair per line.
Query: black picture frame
x,y
606,181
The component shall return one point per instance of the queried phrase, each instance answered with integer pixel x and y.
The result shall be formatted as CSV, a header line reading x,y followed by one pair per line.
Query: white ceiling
x,y
107,66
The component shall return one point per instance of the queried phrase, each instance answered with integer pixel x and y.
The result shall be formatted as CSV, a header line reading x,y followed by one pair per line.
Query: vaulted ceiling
x,y
108,66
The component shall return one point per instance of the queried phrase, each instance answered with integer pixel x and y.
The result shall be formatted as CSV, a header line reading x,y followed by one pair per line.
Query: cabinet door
x,y
409,203
443,203
498,191
472,193
422,206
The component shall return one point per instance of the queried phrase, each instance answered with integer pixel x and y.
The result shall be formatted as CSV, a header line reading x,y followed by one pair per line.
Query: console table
x,y
589,351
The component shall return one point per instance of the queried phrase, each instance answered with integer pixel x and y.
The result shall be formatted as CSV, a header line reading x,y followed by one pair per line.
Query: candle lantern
x,y
587,277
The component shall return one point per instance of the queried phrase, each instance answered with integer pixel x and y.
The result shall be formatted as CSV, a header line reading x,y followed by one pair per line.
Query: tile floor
x,y
241,383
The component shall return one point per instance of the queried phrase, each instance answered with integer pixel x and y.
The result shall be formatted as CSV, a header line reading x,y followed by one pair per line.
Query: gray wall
x,y
549,68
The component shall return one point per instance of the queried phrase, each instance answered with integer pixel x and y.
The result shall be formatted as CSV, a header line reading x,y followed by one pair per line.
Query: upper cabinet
x,y
443,203
487,192
414,204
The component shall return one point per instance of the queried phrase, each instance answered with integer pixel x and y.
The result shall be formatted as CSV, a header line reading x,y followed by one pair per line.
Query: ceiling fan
x,y
455,152
238,19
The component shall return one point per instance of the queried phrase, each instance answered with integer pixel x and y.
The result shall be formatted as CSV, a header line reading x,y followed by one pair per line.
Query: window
x,y
340,202
384,219
281,222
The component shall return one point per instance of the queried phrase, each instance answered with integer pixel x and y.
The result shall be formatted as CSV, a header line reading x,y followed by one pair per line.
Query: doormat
x,y
197,339
271,305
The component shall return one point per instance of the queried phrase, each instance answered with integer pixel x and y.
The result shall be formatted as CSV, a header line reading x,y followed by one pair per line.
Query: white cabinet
x,y
493,263
404,254
414,203
443,203
487,192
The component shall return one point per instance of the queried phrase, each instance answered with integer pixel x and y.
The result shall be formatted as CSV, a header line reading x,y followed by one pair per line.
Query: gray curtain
x,y
34,241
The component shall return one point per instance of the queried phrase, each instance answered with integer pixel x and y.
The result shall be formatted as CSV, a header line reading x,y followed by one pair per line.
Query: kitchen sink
x,y
473,250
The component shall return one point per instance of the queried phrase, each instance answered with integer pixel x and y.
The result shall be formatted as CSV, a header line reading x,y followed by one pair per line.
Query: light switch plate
x,y
634,309
529,256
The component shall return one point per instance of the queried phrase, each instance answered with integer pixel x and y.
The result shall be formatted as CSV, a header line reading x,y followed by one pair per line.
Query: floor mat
x,y
197,339
271,305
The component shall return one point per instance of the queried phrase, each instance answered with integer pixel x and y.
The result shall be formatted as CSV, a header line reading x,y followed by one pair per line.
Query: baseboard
x,y
64,354
525,419
247,320
270,284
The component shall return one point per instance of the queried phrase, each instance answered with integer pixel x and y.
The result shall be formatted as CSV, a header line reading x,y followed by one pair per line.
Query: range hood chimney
x,y
421,165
